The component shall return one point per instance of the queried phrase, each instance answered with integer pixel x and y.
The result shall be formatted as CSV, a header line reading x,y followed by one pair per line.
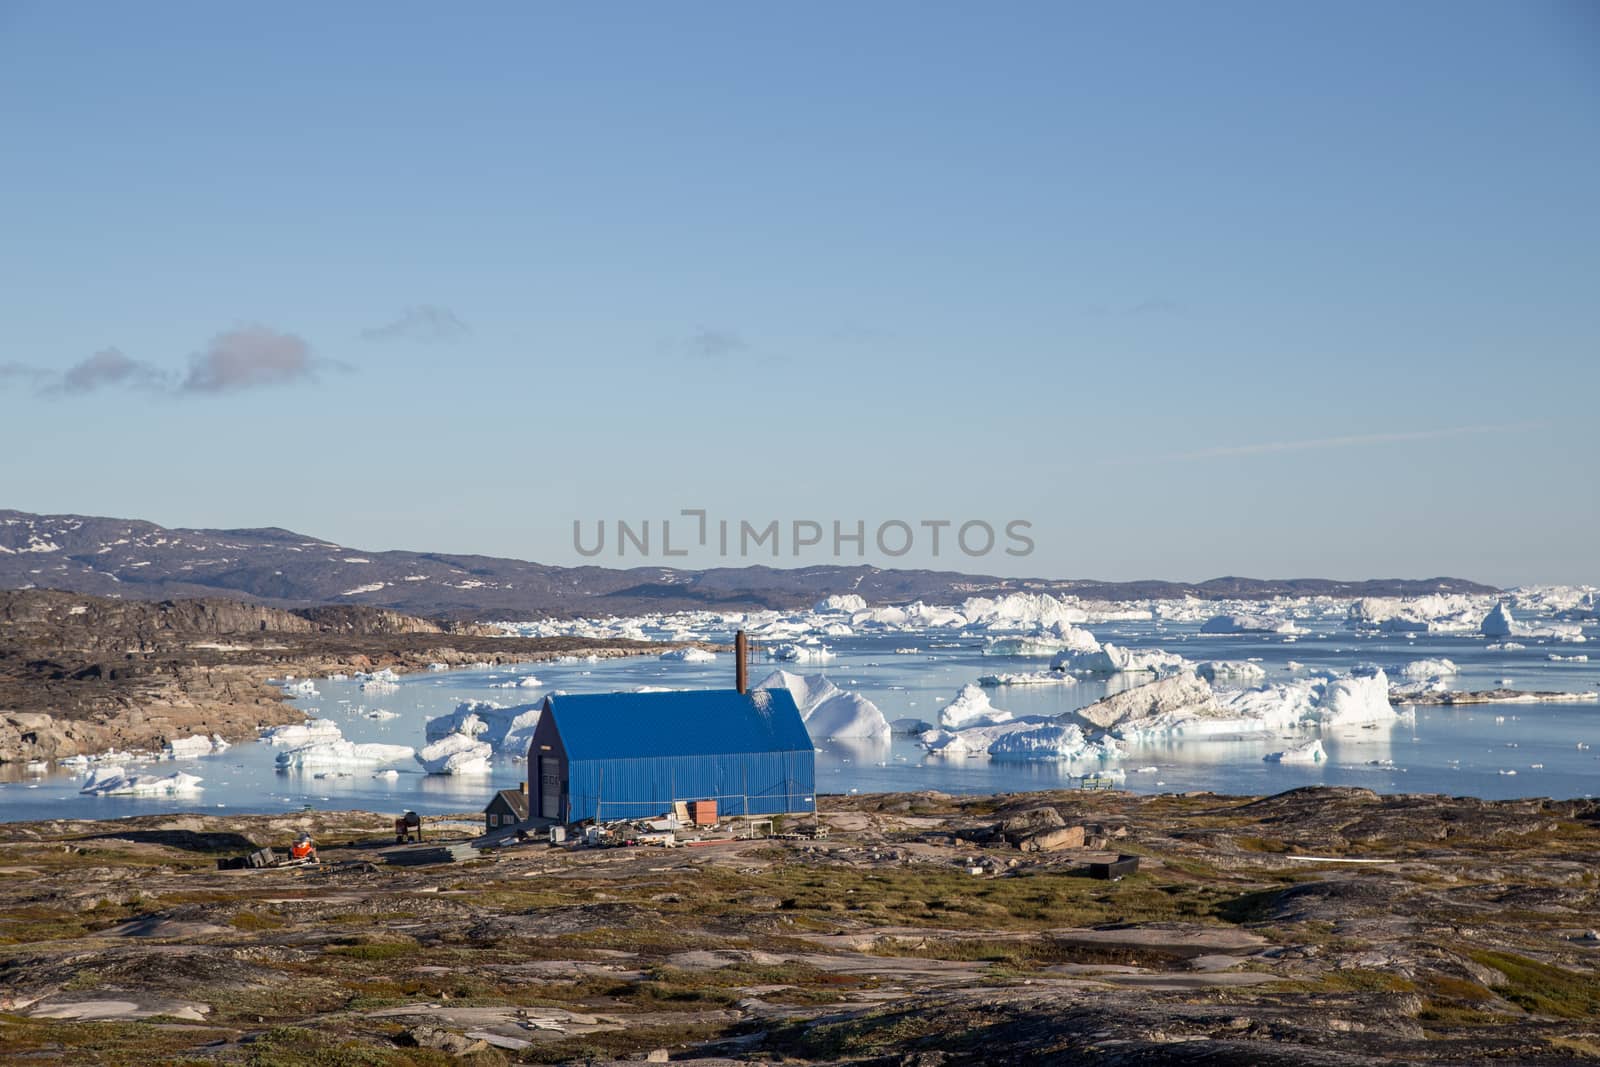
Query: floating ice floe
x,y
525,682
910,726
1428,668
993,681
342,755
1217,670
379,714
1060,637
690,655
829,712
113,781
846,603
437,667
1249,624
193,746
1310,752
305,687
456,754
799,653
296,734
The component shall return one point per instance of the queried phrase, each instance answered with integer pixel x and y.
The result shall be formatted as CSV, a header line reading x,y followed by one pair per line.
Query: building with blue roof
x,y
633,755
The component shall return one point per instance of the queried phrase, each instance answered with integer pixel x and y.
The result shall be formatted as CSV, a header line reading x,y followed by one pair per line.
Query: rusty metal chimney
x,y
741,652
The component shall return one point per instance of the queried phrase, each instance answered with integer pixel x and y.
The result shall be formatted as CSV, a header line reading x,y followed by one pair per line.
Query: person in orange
x,y
303,849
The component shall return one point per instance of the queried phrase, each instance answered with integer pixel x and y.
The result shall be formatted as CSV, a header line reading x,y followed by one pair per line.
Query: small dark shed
x,y
632,755
508,808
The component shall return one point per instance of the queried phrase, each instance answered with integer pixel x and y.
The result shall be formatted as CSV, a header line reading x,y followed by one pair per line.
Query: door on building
x,y
549,787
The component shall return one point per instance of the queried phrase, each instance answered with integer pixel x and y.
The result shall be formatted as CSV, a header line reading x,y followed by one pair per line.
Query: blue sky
x,y
1266,289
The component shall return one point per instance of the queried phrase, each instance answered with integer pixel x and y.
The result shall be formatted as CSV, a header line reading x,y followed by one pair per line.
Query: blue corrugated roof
x,y
704,722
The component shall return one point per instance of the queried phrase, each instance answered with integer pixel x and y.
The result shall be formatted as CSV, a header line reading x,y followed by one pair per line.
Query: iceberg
x,y
1109,659
846,603
456,754
994,681
507,731
113,781
910,726
1249,624
971,707
1218,670
1325,702
193,746
303,688
1058,638
297,734
1180,694
342,755
828,711
1052,741
1353,701
526,682
1021,611
802,653
1310,752
690,655
1499,622
1423,669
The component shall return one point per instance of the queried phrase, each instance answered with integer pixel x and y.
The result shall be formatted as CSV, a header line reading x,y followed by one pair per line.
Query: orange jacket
x,y
301,850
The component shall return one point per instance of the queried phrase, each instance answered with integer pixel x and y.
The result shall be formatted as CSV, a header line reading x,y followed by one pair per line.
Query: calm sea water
x,y
1464,751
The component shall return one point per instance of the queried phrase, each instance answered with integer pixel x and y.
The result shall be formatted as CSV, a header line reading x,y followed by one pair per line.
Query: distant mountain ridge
x,y
141,560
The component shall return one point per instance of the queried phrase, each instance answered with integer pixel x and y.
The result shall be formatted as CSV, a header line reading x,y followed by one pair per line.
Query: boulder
x,y
1053,840
1031,822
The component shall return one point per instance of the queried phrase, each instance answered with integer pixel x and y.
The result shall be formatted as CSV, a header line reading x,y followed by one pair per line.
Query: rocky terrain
x,y
139,560
1317,927
83,674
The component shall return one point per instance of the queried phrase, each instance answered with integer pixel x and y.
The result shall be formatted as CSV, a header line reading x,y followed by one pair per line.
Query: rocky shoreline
x,y
84,675
1316,927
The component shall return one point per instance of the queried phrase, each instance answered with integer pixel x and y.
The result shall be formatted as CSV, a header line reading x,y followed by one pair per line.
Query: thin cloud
x,y
423,322
248,358
1155,305
22,371
709,343
1323,443
108,368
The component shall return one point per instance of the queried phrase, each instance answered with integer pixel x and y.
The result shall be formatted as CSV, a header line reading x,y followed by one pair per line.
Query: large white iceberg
x,y
296,734
840,602
456,754
1180,694
971,707
1499,622
507,731
830,712
1048,641
1111,659
1326,702
193,746
342,755
113,781
1422,669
